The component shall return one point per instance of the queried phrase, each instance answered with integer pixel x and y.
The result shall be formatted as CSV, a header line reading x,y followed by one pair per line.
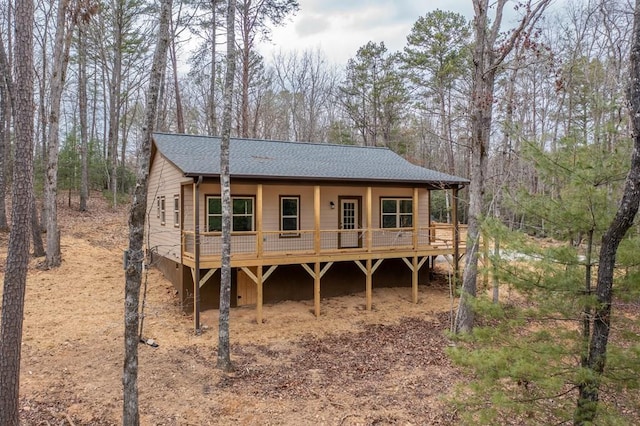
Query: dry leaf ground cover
x,y
348,367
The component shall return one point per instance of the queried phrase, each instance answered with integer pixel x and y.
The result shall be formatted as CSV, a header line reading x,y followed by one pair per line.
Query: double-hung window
x,y
176,210
162,210
242,214
396,212
289,216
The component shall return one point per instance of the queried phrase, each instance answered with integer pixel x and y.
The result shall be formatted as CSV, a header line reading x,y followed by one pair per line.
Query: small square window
x,y
396,213
242,216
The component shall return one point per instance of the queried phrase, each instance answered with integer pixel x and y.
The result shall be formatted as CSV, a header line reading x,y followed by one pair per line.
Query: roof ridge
x,y
276,141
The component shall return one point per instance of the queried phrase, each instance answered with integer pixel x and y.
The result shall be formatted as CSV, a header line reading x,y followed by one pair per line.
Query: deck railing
x,y
437,236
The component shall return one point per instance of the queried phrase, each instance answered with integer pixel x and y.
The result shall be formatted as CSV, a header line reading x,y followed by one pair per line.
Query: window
x,y
176,211
162,210
289,216
396,212
158,207
241,214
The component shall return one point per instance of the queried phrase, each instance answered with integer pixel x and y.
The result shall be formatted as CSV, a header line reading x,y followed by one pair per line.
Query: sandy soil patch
x,y
349,367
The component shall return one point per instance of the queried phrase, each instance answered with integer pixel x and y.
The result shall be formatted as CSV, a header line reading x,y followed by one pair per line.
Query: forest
x,y
537,110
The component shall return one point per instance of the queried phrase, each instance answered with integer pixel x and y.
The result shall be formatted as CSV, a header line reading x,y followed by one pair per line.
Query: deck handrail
x,y
438,235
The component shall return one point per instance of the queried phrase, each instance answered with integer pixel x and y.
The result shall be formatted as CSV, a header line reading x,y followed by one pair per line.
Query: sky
x,y
339,27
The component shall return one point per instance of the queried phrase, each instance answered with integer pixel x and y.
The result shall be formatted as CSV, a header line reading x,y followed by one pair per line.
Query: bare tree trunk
x,y
5,112
82,111
487,57
137,214
481,110
62,44
123,146
15,277
176,84
588,397
212,116
246,50
115,87
161,115
224,355
42,119
36,230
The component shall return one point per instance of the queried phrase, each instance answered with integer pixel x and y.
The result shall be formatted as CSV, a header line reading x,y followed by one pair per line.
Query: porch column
x,y
368,224
456,234
316,219
259,236
416,218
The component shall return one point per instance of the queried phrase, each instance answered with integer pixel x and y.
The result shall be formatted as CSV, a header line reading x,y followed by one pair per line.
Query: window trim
x,y
234,197
397,214
289,233
176,210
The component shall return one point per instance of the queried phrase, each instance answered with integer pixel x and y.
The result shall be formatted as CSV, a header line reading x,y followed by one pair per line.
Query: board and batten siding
x,y
165,180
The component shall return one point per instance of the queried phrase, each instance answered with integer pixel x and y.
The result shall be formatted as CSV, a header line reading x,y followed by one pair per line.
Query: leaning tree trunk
x,y
137,215
15,274
224,352
588,397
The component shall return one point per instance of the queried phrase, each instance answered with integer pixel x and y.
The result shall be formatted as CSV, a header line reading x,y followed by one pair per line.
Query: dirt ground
x,y
348,367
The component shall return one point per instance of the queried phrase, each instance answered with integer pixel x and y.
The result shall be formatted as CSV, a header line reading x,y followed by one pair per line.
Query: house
x,y
309,220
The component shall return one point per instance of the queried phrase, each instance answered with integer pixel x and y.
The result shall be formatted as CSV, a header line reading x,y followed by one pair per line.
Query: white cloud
x,y
310,25
340,27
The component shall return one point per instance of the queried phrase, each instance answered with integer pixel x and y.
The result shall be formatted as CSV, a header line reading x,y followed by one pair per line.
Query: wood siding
x,y
329,218
165,180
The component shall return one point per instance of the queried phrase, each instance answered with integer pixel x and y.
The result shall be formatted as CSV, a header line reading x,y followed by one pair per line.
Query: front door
x,y
349,226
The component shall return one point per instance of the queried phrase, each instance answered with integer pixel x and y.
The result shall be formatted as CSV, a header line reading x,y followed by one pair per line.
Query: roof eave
x,y
431,183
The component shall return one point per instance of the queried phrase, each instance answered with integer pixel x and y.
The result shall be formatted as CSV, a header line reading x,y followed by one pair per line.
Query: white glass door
x,y
349,222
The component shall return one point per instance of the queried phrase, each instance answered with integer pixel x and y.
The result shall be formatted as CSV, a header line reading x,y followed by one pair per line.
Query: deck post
x,y
196,242
414,278
259,283
369,284
456,235
259,236
316,288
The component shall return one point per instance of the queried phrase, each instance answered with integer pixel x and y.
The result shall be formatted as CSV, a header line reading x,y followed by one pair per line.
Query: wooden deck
x,y
258,254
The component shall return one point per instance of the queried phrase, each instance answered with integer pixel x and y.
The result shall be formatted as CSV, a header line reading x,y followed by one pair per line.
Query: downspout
x,y
196,284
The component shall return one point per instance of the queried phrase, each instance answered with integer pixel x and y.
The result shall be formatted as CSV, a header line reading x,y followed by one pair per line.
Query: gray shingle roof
x,y
251,158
